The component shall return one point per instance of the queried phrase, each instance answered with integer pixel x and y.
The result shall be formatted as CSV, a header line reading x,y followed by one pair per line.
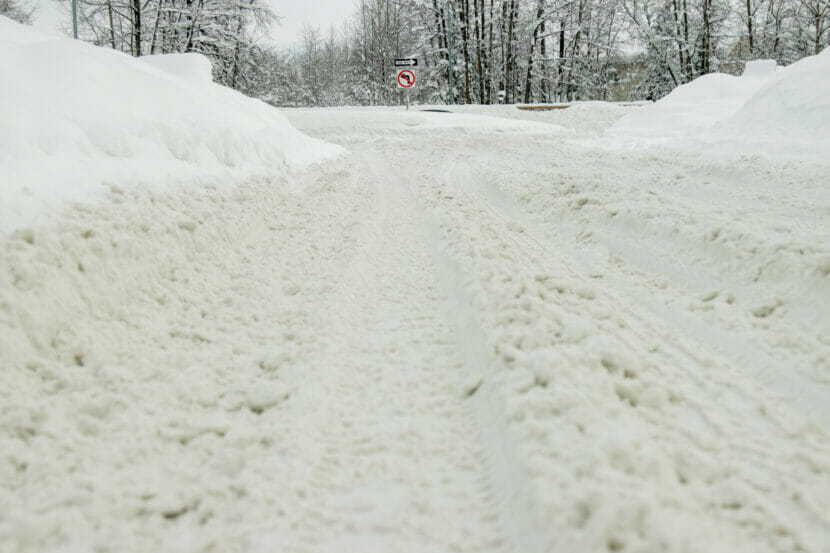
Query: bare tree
x,y
16,11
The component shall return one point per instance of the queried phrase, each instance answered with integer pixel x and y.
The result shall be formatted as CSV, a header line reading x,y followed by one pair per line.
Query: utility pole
x,y
449,47
74,18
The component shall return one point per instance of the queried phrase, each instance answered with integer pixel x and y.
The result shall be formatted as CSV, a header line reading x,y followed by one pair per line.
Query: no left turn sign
x,y
406,78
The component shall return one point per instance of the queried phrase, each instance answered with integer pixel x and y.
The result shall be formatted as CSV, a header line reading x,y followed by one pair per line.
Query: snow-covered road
x,y
469,335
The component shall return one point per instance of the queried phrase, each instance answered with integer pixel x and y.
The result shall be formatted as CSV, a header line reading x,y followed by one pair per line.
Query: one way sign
x,y
406,62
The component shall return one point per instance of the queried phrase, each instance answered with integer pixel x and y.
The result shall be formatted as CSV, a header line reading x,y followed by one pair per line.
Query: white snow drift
x,y
789,115
769,110
76,119
693,107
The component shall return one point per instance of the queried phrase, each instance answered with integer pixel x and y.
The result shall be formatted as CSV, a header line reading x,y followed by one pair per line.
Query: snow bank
x,y
77,120
789,115
769,111
693,107
194,68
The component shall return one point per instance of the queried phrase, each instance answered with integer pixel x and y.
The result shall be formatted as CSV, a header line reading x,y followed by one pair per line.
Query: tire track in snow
x,y
400,466
693,241
681,435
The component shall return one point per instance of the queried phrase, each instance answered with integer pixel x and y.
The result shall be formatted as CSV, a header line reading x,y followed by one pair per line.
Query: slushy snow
x,y
480,331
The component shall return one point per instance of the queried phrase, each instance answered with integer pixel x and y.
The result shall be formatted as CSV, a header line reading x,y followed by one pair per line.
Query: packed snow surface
x,y
474,333
78,121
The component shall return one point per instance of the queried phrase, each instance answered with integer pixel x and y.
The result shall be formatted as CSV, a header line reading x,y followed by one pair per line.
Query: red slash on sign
x,y
406,78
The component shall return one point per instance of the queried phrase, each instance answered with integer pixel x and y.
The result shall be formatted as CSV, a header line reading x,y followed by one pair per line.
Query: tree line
x,y
492,51
229,32
545,50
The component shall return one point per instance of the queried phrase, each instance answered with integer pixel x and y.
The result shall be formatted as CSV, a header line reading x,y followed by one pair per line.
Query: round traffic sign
x,y
406,78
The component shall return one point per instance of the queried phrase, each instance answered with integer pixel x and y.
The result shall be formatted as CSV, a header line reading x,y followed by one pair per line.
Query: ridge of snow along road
x,y
777,112
78,121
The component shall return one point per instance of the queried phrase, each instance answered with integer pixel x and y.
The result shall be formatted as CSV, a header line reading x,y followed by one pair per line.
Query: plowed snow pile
x,y
789,116
693,107
775,112
77,120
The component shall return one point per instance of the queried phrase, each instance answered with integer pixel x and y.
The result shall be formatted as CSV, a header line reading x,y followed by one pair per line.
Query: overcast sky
x,y
319,13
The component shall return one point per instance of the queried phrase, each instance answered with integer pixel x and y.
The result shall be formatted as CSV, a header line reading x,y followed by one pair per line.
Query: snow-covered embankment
x,y
77,122
778,112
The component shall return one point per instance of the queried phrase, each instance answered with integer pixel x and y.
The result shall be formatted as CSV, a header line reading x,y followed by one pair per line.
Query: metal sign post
x,y
74,18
